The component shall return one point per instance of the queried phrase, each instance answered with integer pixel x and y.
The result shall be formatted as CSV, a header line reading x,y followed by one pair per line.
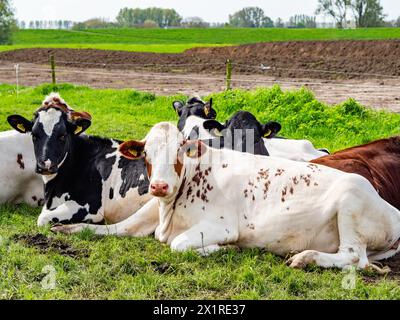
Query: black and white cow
x,y
210,198
242,132
19,182
192,116
85,178
245,124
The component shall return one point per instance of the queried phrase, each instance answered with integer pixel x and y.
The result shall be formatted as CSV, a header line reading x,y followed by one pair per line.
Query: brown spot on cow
x,y
20,161
291,190
34,198
180,192
198,194
251,226
209,188
221,217
254,198
279,172
225,165
295,180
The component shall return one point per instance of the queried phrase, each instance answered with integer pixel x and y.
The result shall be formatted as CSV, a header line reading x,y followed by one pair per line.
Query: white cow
x,y
209,198
18,180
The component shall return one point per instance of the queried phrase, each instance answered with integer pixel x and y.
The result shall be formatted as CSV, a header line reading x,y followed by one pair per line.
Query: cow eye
x,y
63,137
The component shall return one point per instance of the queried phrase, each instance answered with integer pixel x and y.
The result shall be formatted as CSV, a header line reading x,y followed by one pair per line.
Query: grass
x,y
178,40
128,268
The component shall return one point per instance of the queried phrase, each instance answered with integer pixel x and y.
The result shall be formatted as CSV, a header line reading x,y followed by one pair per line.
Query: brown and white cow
x,y
209,198
378,161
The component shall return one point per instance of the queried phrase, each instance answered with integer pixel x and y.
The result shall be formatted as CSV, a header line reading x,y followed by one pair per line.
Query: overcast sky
x,y
209,10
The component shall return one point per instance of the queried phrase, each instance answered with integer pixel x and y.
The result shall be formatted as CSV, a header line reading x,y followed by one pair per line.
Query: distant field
x,y
178,40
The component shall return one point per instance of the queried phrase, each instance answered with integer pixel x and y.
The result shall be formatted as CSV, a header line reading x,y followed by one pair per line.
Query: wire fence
x,y
265,78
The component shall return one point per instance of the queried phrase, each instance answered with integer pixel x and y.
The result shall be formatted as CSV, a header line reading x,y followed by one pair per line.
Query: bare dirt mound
x,y
311,59
46,244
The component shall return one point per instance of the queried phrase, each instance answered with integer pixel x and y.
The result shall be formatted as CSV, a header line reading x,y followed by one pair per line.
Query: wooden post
x,y
53,69
228,74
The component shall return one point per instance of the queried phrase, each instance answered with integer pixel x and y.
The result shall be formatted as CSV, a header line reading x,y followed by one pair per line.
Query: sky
x,y
209,10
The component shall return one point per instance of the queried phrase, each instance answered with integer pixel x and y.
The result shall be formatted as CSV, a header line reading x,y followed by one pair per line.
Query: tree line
x,y
345,13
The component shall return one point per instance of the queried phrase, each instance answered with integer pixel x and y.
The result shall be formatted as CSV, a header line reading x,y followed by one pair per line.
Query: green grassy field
x,y
128,268
178,40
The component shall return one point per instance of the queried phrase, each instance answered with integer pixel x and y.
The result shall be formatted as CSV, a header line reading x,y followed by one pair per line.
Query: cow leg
x,y
140,224
344,258
205,237
61,213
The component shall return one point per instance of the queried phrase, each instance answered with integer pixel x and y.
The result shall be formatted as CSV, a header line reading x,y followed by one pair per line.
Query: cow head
x,y
193,107
53,127
243,132
164,150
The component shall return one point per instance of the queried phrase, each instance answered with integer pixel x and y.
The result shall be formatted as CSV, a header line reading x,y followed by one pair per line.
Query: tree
x,y
250,17
194,22
7,22
397,23
279,23
136,17
150,24
337,9
367,13
302,21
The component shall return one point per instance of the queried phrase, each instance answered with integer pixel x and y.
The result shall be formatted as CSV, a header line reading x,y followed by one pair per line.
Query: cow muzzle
x,y
159,189
45,168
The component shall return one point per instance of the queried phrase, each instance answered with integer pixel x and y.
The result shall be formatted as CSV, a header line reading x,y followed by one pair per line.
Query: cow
x,y
209,198
85,178
192,115
377,161
264,136
18,180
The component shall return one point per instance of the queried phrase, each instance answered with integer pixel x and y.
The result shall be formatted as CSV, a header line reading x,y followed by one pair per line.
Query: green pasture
x,y
178,40
128,268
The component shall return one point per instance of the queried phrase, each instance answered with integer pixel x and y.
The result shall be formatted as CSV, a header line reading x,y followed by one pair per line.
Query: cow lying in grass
x,y
378,161
18,180
209,198
197,121
85,178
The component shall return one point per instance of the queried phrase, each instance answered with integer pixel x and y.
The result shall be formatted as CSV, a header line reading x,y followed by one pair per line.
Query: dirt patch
x,y
394,265
48,244
298,59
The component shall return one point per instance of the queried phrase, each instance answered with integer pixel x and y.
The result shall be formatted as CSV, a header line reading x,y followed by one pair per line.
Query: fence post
x,y
17,77
53,69
228,74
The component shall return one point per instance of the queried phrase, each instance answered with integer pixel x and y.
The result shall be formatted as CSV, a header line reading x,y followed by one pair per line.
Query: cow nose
x,y
46,167
159,189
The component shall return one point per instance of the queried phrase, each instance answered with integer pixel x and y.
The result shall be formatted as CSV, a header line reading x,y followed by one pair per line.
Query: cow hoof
x,y
60,229
301,260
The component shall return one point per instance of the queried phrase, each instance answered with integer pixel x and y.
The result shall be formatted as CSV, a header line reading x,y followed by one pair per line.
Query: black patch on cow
x,y
131,172
194,134
55,220
85,169
20,161
111,195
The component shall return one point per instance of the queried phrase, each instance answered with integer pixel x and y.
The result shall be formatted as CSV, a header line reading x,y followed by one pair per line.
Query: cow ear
x,y
270,129
194,149
20,124
178,105
208,110
81,125
80,121
132,149
214,127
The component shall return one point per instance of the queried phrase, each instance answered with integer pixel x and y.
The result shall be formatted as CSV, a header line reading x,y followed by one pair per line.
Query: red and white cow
x,y
209,198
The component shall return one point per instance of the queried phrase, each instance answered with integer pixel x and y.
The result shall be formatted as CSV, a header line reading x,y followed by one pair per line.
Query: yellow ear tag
x,y
206,111
78,129
133,152
191,152
267,134
21,127
217,133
